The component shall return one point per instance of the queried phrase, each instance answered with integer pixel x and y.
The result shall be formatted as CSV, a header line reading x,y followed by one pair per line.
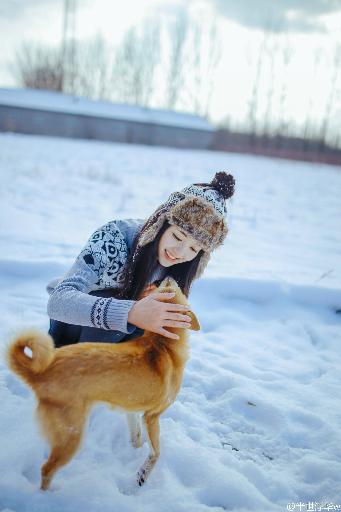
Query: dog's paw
x,y
136,440
50,488
146,469
141,477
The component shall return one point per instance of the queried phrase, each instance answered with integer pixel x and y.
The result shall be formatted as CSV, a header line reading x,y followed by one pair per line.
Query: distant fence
x,y
294,148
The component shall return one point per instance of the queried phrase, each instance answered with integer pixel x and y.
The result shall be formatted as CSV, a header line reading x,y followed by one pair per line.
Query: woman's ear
x,y
195,326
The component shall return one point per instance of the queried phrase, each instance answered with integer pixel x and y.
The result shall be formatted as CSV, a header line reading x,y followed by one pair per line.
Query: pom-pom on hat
x,y
200,210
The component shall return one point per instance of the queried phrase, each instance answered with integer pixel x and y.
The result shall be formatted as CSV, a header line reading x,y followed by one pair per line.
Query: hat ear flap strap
x,y
149,235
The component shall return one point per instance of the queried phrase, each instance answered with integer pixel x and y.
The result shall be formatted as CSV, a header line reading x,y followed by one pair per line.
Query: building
x,y
41,112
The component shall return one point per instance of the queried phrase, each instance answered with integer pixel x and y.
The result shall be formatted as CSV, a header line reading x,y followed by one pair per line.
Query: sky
x,y
306,26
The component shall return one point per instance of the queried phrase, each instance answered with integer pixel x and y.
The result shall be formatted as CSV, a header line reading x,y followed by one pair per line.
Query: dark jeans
x,y
68,334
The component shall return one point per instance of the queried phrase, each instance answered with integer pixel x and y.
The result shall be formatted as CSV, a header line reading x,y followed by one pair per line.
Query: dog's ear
x,y
168,284
195,326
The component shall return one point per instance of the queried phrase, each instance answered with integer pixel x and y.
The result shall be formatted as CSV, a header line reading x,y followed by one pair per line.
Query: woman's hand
x,y
152,314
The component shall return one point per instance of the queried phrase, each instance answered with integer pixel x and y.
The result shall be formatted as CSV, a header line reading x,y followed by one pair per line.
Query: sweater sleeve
x,y
99,263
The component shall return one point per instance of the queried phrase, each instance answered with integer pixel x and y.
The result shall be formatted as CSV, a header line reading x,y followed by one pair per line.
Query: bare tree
x,y
134,66
193,51
68,46
255,93
271,51
38,67
178,36
93,69
308,128
283,123
214,52
328,114
205,52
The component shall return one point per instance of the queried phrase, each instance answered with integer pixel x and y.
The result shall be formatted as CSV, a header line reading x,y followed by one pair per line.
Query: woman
x,y
107,295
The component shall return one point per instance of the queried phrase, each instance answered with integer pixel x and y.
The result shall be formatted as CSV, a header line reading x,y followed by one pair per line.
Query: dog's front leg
x,y
153,430
134,424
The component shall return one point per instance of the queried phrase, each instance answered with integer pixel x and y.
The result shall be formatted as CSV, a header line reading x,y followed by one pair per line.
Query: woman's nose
x,y
178,252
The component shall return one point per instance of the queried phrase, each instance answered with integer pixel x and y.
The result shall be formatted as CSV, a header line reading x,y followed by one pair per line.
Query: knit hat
x,y
200,210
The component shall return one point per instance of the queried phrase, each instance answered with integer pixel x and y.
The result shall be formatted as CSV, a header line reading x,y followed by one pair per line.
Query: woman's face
x,y
176,246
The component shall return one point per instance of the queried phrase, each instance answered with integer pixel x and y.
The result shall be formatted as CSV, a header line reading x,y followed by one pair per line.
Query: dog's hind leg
x,y
153,430
134,424
63,427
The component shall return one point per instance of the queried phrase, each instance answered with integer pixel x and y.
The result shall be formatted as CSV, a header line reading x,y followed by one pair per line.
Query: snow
x,y
256,425
67,103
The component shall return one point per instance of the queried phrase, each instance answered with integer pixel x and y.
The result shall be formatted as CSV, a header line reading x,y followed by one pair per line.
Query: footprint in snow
x,y
15,386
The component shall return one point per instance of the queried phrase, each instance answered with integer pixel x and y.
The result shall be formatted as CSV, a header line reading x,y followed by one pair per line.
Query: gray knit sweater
x,y
101,264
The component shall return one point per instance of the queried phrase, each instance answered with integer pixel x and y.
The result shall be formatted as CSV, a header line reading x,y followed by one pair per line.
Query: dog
x,y
141,375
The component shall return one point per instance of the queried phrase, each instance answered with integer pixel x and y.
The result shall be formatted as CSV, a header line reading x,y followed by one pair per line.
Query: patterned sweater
x,y
101,264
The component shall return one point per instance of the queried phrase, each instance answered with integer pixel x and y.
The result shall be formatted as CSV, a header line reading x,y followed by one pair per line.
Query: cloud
x,y
18,9
15,9
278,15
271,15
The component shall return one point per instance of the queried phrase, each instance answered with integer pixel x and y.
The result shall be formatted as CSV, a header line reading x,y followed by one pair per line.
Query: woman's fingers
x,y
153,313
173,323
177,307
168,334
177,316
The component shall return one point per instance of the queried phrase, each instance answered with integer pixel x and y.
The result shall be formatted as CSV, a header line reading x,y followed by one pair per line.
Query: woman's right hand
x,y
152,314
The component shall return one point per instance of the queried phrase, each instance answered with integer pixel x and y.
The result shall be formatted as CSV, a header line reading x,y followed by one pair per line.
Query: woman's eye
x,y
180,240
177,238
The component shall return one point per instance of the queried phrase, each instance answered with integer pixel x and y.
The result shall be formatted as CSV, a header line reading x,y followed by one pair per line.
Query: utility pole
x,y
69,44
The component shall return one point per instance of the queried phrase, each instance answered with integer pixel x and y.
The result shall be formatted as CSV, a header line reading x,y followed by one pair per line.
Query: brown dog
x,y
141,375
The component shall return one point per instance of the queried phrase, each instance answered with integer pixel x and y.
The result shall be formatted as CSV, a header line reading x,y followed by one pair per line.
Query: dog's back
x,y
136,375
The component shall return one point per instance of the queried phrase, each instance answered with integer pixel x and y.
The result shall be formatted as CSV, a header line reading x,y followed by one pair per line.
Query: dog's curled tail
x,y
35,359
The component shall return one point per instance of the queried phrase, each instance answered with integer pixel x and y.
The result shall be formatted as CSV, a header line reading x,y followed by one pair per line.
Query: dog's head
x,y
170,285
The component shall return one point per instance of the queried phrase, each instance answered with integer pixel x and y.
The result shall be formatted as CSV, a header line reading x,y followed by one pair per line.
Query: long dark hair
x,y
142,263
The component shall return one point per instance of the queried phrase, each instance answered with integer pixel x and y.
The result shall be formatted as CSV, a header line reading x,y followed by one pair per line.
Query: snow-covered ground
x,y
256,425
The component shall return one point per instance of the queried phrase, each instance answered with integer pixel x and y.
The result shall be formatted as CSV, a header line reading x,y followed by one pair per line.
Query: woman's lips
x,y
168,257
